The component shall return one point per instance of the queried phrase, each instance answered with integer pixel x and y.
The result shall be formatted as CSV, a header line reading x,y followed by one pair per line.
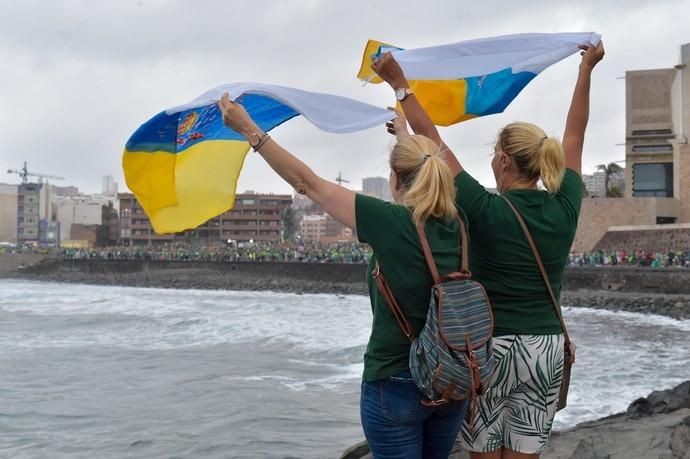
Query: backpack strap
x,y
385,290
464,259
556,305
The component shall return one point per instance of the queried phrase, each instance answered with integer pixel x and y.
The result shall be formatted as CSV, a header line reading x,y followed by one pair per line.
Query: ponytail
x,y
551,164
536,155
424,178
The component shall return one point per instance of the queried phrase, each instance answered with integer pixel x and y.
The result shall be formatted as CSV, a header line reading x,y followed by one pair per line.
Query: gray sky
x,y
78,77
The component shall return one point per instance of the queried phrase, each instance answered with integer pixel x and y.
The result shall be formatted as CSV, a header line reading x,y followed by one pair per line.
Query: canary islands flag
x,y
473,78
183,164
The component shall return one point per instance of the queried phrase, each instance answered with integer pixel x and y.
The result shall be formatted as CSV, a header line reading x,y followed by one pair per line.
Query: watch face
x,y
400,93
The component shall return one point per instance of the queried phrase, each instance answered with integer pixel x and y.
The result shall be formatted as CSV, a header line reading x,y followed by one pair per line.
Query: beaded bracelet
x,y
262,140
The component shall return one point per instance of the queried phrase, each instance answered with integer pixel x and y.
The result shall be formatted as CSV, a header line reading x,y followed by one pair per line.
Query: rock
x,y
641,407
586,450
665,401
680,440
358,451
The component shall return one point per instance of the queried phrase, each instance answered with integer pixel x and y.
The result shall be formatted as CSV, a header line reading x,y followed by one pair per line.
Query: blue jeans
x,y
397,425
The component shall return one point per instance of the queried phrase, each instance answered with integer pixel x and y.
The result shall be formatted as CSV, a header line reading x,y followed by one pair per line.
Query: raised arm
x,y
578,115
337,201
389,70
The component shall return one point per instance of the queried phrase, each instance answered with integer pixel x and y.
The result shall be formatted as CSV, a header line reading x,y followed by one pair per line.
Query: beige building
x,y
657,126
657,190
321,227
81,210
8,212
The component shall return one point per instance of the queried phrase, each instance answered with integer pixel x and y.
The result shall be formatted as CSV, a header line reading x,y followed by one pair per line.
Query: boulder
x,y
663,401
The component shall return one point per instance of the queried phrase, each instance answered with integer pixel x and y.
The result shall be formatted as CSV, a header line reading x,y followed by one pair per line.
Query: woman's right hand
x,y
389,70
591,55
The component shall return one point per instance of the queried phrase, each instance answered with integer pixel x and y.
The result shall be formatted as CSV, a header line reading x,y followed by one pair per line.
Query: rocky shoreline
x,y
653,427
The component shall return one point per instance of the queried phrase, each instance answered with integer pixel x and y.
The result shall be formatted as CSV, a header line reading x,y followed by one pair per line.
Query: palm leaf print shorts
x,y
517,410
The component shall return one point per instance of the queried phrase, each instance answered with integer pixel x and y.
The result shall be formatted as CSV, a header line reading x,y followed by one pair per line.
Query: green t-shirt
x,y
390,231
501,258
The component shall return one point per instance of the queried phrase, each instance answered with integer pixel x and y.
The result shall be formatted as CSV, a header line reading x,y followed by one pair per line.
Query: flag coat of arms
x,y
183,164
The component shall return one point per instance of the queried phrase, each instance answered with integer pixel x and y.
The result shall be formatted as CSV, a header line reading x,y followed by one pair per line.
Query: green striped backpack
x,y
452,358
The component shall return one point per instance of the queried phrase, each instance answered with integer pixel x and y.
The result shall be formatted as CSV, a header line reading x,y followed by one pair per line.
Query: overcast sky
x,y
78,77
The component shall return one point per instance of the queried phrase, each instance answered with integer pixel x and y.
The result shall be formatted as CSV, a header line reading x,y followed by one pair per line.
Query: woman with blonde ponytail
x,y
516,412
396,422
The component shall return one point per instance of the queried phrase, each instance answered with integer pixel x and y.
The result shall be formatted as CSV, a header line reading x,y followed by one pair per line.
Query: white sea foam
x,y
306,343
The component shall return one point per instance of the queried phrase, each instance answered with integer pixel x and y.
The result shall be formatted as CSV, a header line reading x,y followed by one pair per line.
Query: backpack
x,y
452,358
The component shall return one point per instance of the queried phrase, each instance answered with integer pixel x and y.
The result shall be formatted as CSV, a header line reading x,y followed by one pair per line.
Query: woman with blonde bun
x,y
516,412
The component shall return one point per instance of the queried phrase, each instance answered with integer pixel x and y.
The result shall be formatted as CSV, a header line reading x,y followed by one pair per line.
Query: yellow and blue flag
x,y
468,79
183,164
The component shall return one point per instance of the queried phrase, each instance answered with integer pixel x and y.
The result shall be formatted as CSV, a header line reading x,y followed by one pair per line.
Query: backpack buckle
x,y
433,403
376,272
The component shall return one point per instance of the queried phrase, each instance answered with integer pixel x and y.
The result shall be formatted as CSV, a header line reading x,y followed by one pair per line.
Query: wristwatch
x,y
402,93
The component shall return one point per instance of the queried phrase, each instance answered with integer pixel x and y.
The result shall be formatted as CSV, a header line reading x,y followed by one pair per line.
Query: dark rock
x,y
664,401
641,407
358,451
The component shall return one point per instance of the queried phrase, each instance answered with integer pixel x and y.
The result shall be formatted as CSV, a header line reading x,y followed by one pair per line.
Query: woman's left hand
x,y
398,125
236,117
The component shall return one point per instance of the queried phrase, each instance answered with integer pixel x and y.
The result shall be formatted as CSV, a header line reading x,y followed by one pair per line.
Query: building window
x,y
651,132
661,148
653,180
665,220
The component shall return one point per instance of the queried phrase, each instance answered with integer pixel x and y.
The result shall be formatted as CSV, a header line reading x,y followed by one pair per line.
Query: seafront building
x,y
8,212
34,216
656,207
255,218
378,187
321,227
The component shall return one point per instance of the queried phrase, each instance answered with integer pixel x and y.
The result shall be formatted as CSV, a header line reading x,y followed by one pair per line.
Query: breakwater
x,y
645,290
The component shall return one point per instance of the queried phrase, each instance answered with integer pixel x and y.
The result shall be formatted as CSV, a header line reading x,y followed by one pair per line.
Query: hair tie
x,y
541,141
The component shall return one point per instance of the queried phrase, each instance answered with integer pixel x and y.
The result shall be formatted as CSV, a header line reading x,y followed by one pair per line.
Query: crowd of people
x,y
341,252
308,252
645,258
336,252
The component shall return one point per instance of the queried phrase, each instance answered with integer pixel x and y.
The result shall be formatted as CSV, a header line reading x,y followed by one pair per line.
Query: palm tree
x,y
610,170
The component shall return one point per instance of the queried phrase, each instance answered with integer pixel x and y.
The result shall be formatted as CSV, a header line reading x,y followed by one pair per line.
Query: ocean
x,y
121,372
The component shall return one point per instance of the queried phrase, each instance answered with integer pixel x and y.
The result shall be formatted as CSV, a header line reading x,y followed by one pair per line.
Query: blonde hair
x,y
424,180
536,155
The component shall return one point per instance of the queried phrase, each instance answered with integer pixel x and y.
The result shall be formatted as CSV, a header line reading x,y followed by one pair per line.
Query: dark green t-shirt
x,y
390,231
500,256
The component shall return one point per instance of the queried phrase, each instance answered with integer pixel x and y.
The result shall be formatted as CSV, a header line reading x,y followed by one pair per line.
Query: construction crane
x,y
25,174
340,179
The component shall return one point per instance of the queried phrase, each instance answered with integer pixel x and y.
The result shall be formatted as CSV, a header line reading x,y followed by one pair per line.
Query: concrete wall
x,y
682,180
657,238
621,279
327,272
597,215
